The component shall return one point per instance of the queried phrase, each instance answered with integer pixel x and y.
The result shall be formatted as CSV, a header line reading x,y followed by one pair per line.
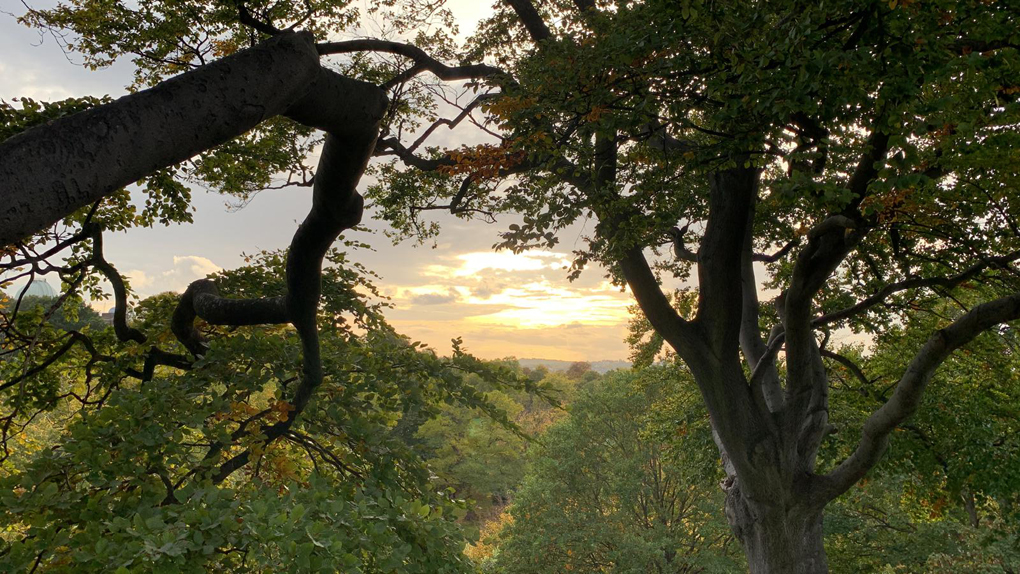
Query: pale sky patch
x,y
138,279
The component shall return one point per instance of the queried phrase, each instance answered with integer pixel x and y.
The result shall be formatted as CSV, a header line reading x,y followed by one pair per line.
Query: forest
x,y
812,209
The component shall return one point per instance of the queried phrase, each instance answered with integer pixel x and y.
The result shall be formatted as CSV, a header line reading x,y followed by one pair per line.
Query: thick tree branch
x,y
531,19
828,245
202,300
720,280
909,390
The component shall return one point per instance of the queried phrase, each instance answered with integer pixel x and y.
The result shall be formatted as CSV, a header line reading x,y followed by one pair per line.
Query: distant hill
x,y
555,365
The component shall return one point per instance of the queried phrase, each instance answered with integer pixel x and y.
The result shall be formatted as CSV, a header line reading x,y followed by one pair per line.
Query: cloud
x,y
541,304
196,265
576,342
184,270
509,290
138,279
450,296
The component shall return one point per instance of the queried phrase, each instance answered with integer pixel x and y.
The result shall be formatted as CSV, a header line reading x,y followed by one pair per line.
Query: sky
x,y
501,304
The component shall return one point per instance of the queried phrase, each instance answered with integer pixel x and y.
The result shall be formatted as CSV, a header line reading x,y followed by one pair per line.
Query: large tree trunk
x,y
777,538
49,171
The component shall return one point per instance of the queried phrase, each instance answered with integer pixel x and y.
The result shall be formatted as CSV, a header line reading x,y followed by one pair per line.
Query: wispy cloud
x,y
512,304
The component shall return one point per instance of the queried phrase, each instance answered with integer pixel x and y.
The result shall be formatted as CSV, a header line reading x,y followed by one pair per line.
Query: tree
x,y
859,151
939,501
579,370
854,150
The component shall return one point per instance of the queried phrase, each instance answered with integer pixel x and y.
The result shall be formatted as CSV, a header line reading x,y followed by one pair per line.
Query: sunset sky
x,y
502,304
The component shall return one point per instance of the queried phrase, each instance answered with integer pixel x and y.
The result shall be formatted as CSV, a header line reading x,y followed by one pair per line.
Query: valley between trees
x,y
626,480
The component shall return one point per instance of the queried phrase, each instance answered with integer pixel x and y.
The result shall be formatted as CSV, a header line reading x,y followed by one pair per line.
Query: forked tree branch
x,y
423,61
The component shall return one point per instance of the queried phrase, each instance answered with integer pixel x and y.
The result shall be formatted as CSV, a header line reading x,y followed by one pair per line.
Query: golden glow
x,y
512,291
541,304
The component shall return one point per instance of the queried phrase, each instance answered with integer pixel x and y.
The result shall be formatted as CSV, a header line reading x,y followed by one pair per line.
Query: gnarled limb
x,y
336,206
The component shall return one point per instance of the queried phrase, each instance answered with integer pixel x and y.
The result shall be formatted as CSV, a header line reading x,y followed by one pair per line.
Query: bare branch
x,y
887,291
423,61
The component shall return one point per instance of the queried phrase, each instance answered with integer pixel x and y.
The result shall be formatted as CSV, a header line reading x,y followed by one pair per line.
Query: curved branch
x,y
202,300
336,206
892,288
120,326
